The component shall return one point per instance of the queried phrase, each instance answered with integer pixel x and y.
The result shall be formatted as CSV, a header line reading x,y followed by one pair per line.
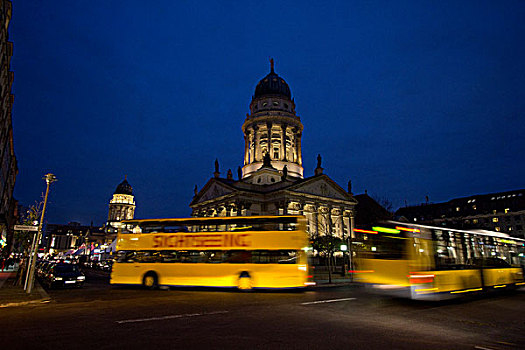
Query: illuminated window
x,y
475,221
497,228
457,208
494,211
494,219
510,228
507,210
474,207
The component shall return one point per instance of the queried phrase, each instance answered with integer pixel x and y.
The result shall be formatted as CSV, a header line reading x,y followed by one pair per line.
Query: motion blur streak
x,y
466,290
171,317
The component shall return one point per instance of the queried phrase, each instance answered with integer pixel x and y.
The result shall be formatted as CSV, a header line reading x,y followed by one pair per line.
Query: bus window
x,y
238,256
386,246
147,256
168,256
175,229
275,257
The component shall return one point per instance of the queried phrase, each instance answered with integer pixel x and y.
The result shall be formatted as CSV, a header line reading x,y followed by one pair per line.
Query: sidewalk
x,y
11,295
321,279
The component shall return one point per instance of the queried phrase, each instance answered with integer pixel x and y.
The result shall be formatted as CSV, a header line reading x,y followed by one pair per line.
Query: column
x,y
246,142
258,155
298,146
251,147
282,155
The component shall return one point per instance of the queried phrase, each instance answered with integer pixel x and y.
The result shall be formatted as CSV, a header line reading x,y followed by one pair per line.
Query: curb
x,y
38,301
332,285
44,298
41,290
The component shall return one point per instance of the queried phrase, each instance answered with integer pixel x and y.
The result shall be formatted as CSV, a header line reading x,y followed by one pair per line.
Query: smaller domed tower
x,y
121,206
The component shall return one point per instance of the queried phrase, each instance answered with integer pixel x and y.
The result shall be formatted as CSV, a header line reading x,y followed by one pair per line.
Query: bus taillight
x,y
420,279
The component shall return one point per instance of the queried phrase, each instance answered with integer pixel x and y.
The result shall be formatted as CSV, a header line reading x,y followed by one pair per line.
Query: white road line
x,y
171,317
327,301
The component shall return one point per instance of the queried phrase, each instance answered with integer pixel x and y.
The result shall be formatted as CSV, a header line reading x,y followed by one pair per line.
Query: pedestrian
x,y
20,273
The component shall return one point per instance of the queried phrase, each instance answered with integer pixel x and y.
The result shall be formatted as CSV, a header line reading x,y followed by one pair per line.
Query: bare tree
x,y
28,216
324,241
385,203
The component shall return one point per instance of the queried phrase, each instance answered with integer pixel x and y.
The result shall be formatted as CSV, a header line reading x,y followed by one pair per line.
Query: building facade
x,y
8,168
502,211
271,181
121,207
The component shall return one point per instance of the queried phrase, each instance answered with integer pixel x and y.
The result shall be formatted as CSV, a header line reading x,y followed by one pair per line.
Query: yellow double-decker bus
x,y
242,251
435,263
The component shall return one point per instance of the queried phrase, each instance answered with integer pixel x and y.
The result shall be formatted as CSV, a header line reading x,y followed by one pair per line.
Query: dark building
x,y
503,211
369,211
9,169
63,238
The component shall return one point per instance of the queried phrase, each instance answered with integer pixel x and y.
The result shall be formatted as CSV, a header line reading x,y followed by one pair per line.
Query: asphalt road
x,y
102,317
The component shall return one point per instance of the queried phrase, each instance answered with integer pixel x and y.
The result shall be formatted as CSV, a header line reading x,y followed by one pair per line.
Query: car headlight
x,y
81,278
57,278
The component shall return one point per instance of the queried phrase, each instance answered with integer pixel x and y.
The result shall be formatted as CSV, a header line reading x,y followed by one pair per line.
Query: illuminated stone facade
x,y
272,128
121,207
271,182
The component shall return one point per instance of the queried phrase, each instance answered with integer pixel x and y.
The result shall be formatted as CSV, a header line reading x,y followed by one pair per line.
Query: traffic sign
x,y
26,228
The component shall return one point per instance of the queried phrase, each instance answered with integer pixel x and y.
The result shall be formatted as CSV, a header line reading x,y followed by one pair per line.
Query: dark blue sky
x,y
407,99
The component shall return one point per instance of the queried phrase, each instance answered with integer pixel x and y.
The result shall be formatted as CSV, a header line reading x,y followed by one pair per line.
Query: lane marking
x,y
327,301
483,348
170,317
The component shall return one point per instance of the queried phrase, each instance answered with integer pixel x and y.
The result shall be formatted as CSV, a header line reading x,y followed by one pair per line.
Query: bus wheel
x,y
150,280
245,281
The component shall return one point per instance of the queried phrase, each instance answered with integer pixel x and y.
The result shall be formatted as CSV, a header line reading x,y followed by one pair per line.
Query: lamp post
x,y
50,178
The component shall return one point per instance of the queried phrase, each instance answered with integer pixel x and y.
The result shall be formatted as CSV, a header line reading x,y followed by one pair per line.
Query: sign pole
x,y
50,178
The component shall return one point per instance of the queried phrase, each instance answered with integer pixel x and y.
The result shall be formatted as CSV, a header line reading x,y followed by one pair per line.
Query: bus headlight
x,y
302,267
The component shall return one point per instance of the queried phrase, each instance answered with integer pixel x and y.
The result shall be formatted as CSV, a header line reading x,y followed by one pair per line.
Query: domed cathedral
x,y
272,128
271,181
121,207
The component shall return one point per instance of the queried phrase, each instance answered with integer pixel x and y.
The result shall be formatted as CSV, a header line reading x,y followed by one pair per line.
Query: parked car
x,y
63,275
42,268
106,265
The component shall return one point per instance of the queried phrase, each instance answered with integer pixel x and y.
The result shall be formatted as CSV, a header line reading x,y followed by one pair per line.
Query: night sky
x,y
407,99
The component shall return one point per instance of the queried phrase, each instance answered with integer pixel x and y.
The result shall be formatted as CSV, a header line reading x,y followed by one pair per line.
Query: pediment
x,y
214,190
323,188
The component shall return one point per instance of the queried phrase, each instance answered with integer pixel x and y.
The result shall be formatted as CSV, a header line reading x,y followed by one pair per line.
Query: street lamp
x,y
50,178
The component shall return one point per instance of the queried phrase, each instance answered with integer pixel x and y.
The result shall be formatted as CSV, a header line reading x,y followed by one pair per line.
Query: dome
x,y
124,188
272,84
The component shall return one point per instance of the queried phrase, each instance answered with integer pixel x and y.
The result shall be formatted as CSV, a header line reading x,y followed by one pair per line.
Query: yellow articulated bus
x,y
242,251
436,263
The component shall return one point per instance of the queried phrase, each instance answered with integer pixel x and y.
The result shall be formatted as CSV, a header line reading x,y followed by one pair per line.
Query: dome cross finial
x,y
271,65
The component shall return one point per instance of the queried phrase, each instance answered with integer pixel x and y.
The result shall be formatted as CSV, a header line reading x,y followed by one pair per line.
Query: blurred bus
x,y
435,263
240,251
